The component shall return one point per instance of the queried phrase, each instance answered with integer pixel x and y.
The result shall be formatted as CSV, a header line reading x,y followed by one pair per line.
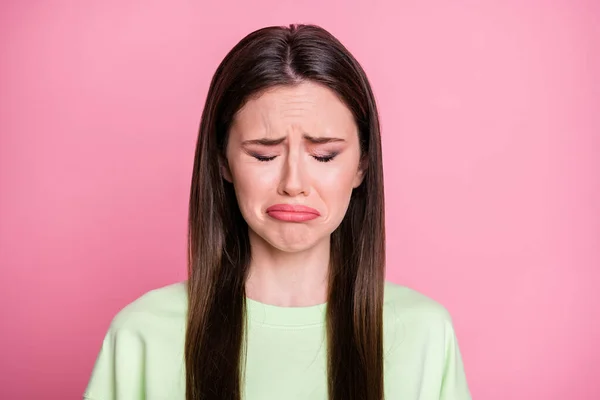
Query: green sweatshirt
x,y
142,353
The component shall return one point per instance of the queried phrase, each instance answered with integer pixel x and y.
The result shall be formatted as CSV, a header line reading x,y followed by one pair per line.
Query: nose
x,y
294,177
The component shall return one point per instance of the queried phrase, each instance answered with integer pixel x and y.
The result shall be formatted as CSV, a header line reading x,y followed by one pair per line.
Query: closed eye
x,y
263,158
326,158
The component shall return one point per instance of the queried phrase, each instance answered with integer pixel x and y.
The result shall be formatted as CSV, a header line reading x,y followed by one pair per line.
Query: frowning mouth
x,y
292,212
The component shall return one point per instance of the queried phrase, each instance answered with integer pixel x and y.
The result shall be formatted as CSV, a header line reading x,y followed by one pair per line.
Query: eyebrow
x,y
275,142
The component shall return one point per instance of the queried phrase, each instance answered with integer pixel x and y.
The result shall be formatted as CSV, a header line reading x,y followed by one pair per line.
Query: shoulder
x,y
411,301
167,303
408,306
413,321
418,331
145,339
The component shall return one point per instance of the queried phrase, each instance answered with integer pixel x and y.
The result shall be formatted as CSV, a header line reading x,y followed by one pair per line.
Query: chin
x,y
292,240
288,247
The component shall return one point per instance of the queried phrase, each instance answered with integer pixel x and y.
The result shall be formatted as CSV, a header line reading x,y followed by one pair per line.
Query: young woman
x,y
286,296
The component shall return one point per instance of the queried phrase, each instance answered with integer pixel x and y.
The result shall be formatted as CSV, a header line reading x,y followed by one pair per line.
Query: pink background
x,y
491,128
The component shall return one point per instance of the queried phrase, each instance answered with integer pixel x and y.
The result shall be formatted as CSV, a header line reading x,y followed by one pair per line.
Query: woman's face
x,y
293,157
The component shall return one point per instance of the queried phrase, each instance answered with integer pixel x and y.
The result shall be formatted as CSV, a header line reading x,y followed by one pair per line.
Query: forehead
x,y
308,107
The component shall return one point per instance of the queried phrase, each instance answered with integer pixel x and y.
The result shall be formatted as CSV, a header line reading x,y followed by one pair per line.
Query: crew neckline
x,y
267,314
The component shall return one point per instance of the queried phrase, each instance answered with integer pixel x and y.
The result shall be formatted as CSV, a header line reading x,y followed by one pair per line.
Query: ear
x,y
360,172
224,167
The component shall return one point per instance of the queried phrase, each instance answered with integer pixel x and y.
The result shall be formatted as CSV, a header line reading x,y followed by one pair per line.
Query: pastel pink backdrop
x,y
490,115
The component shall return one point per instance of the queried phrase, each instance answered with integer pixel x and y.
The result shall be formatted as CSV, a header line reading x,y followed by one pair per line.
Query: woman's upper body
x,y
142,354
286,295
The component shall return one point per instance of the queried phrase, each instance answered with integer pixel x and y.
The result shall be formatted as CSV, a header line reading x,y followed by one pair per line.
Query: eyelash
x,y
320,159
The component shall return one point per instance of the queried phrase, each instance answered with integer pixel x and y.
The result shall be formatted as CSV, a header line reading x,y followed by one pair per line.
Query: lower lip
x,y
292,216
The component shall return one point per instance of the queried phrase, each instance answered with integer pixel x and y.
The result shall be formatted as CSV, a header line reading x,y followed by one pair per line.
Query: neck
x,y
288,279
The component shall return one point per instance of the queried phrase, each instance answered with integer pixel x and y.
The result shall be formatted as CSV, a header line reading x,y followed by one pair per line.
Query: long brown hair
x,y
218,243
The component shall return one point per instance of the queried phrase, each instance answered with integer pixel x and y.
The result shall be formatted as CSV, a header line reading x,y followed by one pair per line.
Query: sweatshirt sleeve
x,y
118,371
454,382
101,384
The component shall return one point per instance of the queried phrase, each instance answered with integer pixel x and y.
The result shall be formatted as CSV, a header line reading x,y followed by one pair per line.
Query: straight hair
x,y
219,250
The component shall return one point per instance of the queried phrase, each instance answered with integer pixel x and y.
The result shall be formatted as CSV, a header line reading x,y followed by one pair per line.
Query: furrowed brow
x,y
264,141
321,140
275,142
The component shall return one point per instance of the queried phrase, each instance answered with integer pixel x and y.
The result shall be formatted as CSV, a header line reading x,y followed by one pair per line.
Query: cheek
x,y
337,178
252,185
335,188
